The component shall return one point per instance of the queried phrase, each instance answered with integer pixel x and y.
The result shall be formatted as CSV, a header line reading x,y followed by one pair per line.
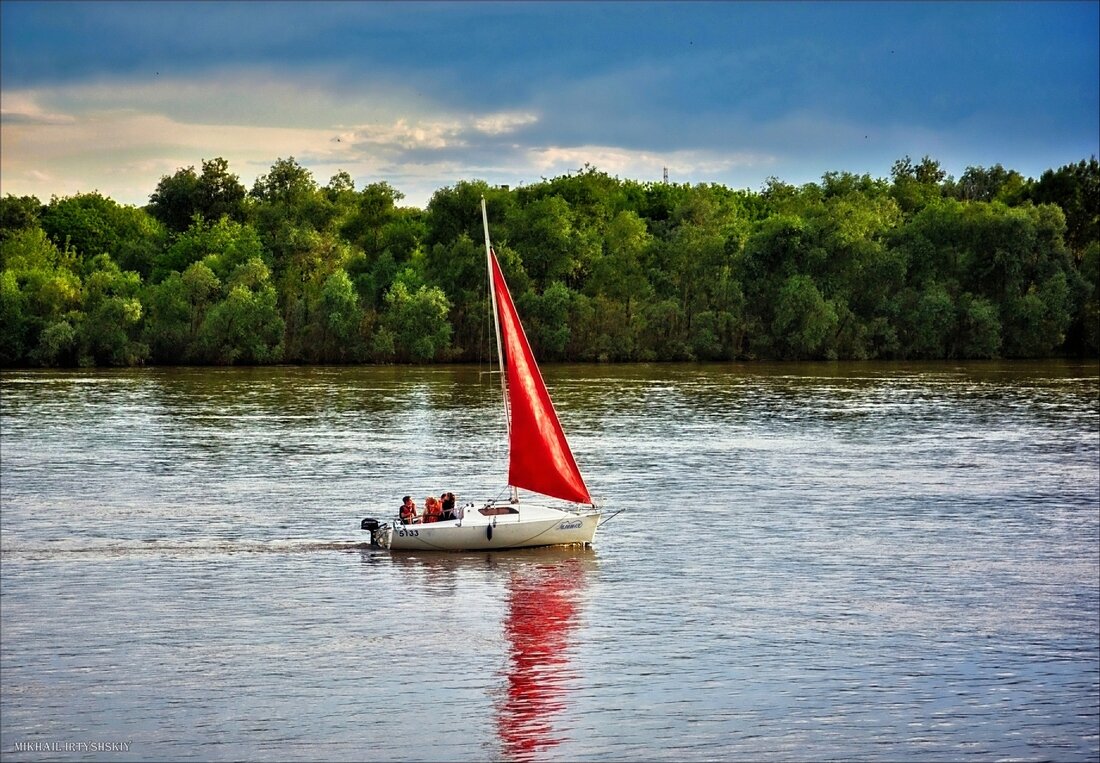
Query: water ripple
x,y
863,562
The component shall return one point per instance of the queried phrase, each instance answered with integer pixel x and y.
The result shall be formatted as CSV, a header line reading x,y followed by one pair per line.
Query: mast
x,y
496,329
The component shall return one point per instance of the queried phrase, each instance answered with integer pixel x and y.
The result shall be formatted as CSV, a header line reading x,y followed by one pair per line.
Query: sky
x,y
113,96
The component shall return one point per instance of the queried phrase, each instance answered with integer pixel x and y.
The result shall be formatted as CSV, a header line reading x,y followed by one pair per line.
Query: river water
x,y
813,562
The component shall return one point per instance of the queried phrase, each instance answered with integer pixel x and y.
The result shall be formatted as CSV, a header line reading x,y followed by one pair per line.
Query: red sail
x,y
539,456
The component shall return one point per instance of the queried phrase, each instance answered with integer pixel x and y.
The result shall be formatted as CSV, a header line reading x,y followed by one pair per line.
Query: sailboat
x,y
539,459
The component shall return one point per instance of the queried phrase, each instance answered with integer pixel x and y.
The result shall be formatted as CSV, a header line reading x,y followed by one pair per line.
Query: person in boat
x,y
447,501
408,511
433,511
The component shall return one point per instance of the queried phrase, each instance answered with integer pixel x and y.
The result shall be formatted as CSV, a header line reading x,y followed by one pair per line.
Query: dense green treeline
x,y
916,266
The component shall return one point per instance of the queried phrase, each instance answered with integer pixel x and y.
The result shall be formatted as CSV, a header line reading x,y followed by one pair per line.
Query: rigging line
x,y
484,347
492,287
504,490
608,519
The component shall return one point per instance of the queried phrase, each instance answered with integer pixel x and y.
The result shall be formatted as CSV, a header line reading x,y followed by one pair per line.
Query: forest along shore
x,y
917,266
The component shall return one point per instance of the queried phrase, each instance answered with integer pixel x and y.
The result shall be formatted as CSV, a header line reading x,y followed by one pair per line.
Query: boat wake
x,y
156,547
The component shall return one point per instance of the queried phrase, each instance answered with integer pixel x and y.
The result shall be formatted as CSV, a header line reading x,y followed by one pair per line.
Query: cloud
x,y
422,95
245,96
404,134
121,137
23,108
505,123
124,152
640,163
435,134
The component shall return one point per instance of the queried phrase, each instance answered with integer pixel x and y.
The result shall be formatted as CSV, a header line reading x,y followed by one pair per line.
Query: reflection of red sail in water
x,y
541,608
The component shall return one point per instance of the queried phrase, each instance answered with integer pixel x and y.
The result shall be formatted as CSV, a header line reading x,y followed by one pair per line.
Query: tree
x,y
168,323
92,224
13,321
619,273
417,322
339,185
918,265
1036,322
211,195
340,319
300,285
57,344
1090,306
779,248
42,298
220,193
460,265
804,322
856,268
916,185
546,320
979,328
375,207
663,337
110,333
202,289
287,183
174,202
847,184
546,241
929,323
223,246
454,210
990,184
246,326
18,213
1076,189
289,209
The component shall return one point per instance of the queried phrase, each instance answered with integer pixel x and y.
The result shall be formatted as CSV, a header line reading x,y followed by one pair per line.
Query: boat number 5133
x,y
408,533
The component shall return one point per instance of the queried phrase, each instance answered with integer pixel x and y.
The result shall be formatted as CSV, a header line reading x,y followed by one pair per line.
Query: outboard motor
x,y
371,525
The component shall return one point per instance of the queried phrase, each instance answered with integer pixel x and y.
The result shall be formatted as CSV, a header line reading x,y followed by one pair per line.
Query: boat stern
x,y
381,533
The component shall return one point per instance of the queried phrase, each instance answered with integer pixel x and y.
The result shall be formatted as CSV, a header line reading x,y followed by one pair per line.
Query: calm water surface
x,y
815,562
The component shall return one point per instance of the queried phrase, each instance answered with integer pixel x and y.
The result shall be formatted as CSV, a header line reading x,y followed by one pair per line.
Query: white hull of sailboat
x,y
532,525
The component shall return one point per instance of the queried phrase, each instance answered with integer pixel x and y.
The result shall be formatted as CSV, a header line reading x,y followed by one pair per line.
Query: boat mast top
x,y
496,328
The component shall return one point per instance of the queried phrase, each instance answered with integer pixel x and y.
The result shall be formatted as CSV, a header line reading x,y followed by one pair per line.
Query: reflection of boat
x,y
539,459
542,608
544,594
504,561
